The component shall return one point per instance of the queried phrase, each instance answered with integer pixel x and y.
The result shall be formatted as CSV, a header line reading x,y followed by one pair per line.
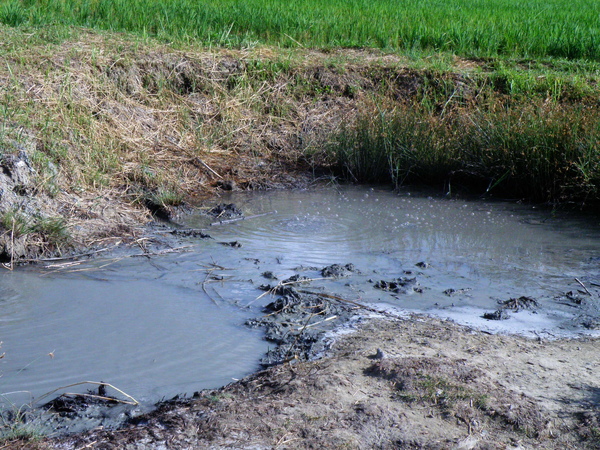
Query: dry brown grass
x,y
141,124
127,123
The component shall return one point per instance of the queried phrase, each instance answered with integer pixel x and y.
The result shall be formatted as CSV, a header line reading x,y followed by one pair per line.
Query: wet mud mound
x,y
225,211
514,305
402,285
297,320
338,270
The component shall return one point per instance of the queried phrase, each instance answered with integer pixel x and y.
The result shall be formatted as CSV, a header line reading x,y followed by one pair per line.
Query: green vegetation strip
x,y
545,152
532,29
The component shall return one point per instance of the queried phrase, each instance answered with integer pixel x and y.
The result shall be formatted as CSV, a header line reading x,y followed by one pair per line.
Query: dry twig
x,y
132,402
583,286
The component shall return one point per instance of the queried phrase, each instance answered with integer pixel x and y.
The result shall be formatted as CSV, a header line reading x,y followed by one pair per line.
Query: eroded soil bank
x,y
410,382
100,131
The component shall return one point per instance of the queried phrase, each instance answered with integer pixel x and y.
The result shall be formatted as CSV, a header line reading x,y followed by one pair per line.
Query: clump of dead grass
x,y
460,392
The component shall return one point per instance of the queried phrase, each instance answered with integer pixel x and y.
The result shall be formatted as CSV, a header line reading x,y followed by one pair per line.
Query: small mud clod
x,y
451,292
338,271
233,244
398,285
269,275
517,304
191,233
499,314
225,211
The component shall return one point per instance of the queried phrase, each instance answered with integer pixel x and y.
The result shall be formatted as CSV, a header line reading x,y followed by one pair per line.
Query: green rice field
x,y
472,28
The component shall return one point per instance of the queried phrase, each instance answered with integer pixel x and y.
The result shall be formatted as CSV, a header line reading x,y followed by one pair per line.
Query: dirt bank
x,y
392,383
105,131
100,131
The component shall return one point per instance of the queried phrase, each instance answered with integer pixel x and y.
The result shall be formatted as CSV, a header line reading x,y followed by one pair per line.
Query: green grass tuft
x,y
544,151
53,229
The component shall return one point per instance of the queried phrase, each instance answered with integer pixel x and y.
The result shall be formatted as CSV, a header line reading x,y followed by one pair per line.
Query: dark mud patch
x,y
158,209
191,233
452,292
517,304
499,314
296,322
514,305
227,185
573,298
225,211
402,285
269,275
232,244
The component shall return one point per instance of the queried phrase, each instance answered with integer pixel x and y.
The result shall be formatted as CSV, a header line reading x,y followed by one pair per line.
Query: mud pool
x,y
173,323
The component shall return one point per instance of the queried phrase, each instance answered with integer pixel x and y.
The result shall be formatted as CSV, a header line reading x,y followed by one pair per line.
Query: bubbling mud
x,y
175,322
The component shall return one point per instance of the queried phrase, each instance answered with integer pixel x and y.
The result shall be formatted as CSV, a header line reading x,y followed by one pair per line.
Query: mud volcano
x,y
304,262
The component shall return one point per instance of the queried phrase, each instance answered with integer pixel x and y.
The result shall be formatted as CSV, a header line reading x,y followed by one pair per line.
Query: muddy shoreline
x,y
346,375
412,382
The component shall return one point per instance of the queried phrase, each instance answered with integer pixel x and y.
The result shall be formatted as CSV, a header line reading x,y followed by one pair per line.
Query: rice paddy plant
x,y
549,28
543,152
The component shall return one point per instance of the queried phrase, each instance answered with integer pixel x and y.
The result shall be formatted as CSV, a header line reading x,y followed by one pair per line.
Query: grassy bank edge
x,y
542,151
144,126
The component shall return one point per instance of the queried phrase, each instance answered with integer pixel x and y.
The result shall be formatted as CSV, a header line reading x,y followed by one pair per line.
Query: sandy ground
x,y
391,383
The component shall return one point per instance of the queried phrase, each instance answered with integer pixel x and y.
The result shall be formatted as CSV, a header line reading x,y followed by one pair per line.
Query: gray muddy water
x,y
173,323
476,254
145,327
